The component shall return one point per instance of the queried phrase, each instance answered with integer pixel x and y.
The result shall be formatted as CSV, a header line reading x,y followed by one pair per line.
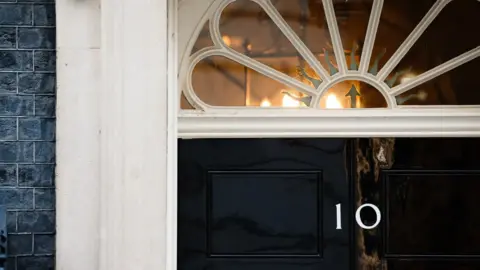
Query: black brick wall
x,y
27,131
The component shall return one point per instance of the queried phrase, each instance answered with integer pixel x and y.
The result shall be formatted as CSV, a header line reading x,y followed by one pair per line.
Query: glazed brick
x,y
16,105
45,60
44,15
16,60
36,221
11,152
35,1
44,244
35,263
15,14
36,38
44,152
44,198
27,131
37,175
45,106
36,129
8,37
21,198
20,244
11,221
8,128
8,83
36,83
8,175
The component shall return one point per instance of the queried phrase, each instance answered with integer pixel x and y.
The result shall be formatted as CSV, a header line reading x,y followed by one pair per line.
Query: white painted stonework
x,y
78,125
117,106
116,135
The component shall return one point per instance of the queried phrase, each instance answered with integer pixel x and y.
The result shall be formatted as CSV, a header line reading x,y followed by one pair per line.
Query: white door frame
x,y
117,123
116,135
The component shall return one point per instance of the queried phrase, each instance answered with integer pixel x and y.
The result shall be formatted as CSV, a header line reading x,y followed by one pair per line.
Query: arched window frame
x,y
396,120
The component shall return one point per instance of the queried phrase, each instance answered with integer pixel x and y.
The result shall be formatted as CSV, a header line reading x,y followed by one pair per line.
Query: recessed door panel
x,y
427,191
263,204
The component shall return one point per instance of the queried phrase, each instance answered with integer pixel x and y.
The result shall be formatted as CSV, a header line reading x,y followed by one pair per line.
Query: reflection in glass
x,y
352,94
397,20
446,38
457,87
203,39
352,17
184,104
248,29
219,81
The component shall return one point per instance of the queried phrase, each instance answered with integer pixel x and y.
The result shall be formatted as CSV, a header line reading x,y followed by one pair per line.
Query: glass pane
x,y
397,20
184,104
247,29
219,81
352,17
352,94
445,224
204,40
307,20
446,38
457,87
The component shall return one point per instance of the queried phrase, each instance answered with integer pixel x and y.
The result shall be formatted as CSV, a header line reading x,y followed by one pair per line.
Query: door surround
x,y
116,175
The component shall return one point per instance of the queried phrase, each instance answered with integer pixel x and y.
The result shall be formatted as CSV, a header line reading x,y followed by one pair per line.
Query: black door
x,y
428,191
261,204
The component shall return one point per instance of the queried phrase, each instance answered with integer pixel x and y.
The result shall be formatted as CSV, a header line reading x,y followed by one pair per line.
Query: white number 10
x,y
357,216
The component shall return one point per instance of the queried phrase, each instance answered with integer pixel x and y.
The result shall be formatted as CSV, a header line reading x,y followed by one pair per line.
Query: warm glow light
x,y
227,40
332,102
265,103
407,77
288,101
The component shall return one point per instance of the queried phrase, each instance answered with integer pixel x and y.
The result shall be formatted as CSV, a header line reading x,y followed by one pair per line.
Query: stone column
x,y
77,146
134,137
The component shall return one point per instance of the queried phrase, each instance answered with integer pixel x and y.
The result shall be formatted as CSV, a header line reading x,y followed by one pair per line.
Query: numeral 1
x,y
339,216
357,216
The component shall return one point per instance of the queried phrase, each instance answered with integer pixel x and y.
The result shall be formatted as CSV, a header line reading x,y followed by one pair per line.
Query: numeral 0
x,y
357,216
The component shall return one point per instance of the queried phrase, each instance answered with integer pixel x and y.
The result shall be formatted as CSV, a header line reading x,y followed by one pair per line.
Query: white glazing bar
x,y
436,71
335,36
268,71
294,39
214,25
253,64
412,38
187,87
370,35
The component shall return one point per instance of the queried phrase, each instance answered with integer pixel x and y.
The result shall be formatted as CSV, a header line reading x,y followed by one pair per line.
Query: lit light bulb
x,y
332,102
227,40
288,101
265,103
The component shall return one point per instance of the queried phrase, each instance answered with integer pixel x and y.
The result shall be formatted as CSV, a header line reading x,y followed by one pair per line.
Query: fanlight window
x,y
334,54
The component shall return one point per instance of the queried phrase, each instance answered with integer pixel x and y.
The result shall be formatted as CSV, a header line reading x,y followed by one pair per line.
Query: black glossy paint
x,y
260,204
429,199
